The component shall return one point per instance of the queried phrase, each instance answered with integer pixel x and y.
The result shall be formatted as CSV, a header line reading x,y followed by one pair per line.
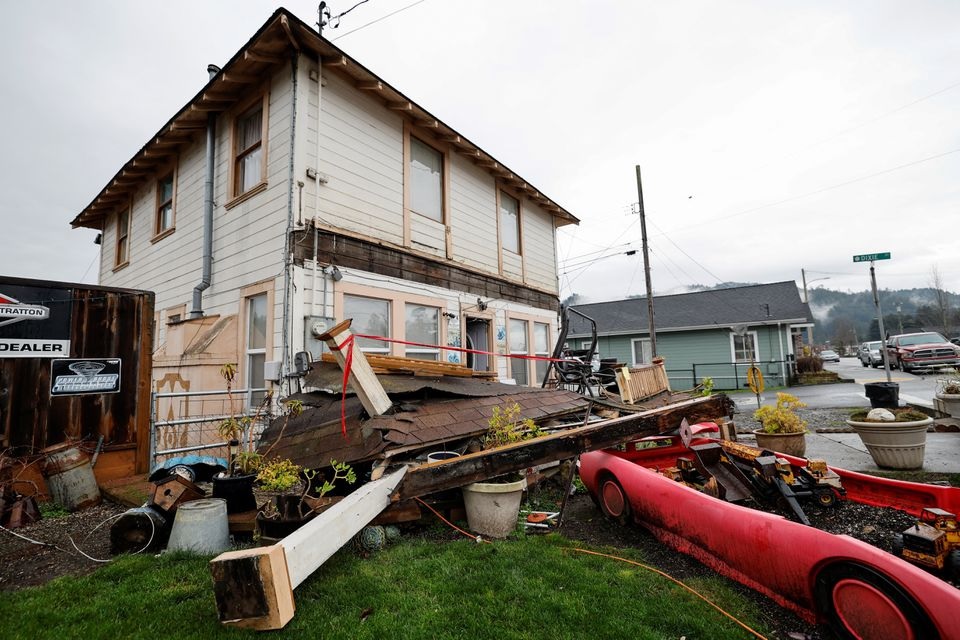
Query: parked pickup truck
x,y
909,351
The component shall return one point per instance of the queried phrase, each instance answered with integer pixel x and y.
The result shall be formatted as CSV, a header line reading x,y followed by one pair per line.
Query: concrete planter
x,y
492,507
894,445
948,403
793,444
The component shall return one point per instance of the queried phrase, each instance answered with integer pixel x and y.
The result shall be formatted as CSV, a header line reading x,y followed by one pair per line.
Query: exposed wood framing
x,y
368,255
483,465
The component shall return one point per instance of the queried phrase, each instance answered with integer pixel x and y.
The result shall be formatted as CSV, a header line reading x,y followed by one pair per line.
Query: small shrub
x,y
506,427
901,415
782,417
809,364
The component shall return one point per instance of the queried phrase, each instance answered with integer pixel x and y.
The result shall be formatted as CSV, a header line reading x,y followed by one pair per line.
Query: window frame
x,y
265,287
261,101
424,137
540,366
411,351
120,261
645,347
387,349
158,231
516,362
756,347
501,192
443,173
249,352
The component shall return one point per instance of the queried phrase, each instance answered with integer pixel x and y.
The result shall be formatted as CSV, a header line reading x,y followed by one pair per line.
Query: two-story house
x,y
296,189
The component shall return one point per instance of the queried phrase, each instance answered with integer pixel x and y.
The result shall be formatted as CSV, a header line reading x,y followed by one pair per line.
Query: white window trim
x,y
385,350
756,347
633,349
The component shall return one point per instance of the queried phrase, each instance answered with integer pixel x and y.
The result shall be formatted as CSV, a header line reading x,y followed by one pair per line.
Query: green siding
x,y
708,352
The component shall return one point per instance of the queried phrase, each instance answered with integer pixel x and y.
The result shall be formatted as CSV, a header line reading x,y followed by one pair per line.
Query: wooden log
x,y
362,378
254,587
561,445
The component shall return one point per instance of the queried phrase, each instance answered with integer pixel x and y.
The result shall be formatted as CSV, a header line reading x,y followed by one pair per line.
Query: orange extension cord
x,y
612,557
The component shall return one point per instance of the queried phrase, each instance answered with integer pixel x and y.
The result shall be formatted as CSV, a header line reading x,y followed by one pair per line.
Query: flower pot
x,y
948,403
792,444
237,491
492,507
894,445
882,395
287,517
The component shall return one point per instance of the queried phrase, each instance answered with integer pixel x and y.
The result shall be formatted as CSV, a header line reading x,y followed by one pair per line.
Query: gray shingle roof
x,y
717,307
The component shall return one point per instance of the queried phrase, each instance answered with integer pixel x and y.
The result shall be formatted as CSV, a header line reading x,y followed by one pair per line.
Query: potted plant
x,y
895,438
493,506
290,486
782,429
947,399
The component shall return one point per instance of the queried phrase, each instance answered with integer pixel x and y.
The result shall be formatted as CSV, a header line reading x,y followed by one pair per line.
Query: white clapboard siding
x,y
361,153
427,235
540,267
512,265
473,215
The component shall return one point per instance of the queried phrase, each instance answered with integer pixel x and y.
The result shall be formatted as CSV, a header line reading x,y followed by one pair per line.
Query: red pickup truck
x,y
909,351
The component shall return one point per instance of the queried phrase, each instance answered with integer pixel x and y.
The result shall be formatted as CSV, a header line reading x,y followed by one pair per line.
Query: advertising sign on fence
x,y
76,376
34,322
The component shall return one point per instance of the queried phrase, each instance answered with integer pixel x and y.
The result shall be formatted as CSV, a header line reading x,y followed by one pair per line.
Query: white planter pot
x,y
492,507
895,445
948,403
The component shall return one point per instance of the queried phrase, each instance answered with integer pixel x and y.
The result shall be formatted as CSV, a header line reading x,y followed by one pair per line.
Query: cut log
x,y
254,587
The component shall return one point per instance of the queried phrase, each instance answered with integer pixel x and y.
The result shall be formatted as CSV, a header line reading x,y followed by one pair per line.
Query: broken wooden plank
x,y
412,365
484,465
254,587
365,384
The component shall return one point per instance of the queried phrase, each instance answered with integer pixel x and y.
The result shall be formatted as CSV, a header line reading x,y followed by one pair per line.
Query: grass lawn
x,y
530,587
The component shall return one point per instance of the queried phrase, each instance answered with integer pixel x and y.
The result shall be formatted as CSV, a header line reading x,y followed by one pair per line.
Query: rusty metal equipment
x,y
933,542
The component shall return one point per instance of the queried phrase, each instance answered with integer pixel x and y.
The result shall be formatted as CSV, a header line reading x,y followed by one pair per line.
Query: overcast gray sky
x,y
773,136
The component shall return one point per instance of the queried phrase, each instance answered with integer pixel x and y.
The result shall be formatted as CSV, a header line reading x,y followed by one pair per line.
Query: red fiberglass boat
x,y
859,590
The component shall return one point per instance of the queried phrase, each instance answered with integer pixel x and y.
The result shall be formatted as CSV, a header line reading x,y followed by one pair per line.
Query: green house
x,y
716,333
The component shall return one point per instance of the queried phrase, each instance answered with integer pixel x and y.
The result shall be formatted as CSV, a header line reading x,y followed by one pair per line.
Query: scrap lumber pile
x,y
394,364
642,381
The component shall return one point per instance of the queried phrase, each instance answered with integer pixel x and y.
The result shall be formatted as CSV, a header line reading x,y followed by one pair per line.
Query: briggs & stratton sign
x,y
34,322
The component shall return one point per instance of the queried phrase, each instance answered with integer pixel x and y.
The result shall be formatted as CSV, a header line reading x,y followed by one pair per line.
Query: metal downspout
x,y
287,244
197,310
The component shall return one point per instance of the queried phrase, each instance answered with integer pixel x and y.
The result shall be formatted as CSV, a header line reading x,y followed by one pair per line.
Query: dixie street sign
x,y
870,257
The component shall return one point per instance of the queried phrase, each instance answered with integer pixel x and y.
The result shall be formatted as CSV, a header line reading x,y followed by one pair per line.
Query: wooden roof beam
x,y
370,86
239,78
428,124
470,153
334,61
285,23
188,125
455,140
400,106
254,56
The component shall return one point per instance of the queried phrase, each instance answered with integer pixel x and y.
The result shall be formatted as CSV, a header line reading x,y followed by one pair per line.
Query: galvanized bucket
x,y
70,477
201,526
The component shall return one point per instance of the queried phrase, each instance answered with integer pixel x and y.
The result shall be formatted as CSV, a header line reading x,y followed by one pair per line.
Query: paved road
x,y
914,388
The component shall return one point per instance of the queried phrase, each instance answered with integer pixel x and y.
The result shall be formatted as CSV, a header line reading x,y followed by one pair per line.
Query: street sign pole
x,y
871,257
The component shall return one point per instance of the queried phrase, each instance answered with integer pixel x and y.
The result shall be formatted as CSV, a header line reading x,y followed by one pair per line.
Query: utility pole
x,y
803,274
646,269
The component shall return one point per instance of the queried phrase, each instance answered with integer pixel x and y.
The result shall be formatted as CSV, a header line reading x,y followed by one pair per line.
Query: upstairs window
x,y
122,255
248,162
165,214
509,222
426,180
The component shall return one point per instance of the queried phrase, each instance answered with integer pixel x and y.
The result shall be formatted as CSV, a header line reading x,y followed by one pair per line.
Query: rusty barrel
x,y
70,477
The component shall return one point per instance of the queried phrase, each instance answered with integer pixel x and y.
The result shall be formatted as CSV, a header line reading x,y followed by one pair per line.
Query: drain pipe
x,y
197,310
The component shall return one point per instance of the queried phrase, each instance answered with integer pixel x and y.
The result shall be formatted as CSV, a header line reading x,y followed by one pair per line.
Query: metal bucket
x,y
70,477
201,527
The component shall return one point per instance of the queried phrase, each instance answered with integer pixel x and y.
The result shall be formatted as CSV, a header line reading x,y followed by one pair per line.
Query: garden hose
x,y
755,379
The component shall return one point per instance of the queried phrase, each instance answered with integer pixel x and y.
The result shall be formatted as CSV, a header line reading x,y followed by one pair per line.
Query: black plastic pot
x,y
237,491
883,395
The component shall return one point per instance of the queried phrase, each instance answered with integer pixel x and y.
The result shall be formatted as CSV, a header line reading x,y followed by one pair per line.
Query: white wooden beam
x,y
362,378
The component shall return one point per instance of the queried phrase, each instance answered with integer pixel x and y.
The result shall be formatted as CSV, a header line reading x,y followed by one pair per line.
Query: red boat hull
x,y
859,590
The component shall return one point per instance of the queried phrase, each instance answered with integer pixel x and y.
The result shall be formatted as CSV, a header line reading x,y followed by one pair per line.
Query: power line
x,y
380,19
